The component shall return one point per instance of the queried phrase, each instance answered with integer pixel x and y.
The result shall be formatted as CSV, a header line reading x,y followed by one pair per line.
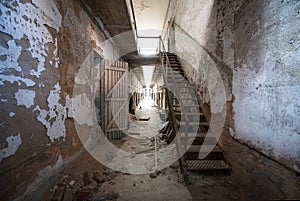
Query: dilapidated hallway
x,y
149,100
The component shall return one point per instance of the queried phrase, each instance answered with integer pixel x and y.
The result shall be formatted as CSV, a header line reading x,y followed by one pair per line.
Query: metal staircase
x,y
188,126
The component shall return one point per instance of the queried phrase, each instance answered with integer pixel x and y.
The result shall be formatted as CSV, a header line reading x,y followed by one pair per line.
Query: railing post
x,y
159,45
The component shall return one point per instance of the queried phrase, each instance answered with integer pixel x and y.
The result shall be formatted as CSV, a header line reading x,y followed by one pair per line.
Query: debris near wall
x,y
85,187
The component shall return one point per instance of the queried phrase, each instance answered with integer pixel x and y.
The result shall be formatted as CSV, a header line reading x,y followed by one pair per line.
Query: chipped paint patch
x,y
20,80
54,118
12,54
52,15
79,108
13,143
12,114
34,23
25,97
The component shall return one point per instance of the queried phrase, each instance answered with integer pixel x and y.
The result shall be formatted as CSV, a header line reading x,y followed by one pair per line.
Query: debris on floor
x,y
88,180
83,188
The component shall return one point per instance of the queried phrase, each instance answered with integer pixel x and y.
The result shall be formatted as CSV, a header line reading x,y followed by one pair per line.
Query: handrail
x,y
170,106
133,15
175,83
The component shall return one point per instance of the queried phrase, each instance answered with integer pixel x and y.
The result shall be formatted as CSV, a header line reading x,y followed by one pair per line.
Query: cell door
x,y
116,102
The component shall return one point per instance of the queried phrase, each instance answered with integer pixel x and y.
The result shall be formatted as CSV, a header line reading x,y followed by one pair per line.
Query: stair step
x,y
171,59
184,87
185,105
178,81
175,75
185,91
174,64
177,68
207,165
198,141
192,135
210,156
196,149
170,55
189,114
188,98
194,123
178,78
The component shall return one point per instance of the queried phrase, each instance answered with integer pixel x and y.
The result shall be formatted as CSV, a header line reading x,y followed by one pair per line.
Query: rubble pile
x,y
86,187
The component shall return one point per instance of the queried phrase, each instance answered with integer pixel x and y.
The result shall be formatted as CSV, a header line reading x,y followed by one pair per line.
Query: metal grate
x,y
196,148
207,165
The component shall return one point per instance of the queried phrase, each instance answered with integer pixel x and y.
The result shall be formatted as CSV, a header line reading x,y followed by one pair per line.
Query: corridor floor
x,y
87,179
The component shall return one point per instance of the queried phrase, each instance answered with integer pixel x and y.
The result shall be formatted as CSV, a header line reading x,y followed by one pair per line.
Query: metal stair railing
x,y
163,54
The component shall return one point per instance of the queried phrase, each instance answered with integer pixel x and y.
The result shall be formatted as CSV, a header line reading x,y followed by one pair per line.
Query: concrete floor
x,y
87,179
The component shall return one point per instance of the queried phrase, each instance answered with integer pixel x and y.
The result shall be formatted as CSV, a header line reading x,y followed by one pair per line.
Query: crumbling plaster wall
x,y
258,41
43,44
266,82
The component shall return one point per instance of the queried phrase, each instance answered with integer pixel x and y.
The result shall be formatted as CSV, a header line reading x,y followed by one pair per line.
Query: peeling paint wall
x,y
43,44
28,49
13,143
266,82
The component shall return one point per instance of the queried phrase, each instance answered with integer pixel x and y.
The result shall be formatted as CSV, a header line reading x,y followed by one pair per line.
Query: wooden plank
x,y
115,86
114,68
113,129
117,113
116,99
102,94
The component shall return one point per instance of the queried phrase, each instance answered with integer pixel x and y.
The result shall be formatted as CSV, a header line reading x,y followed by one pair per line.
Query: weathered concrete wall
x,y
266,82
258,41
43,44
